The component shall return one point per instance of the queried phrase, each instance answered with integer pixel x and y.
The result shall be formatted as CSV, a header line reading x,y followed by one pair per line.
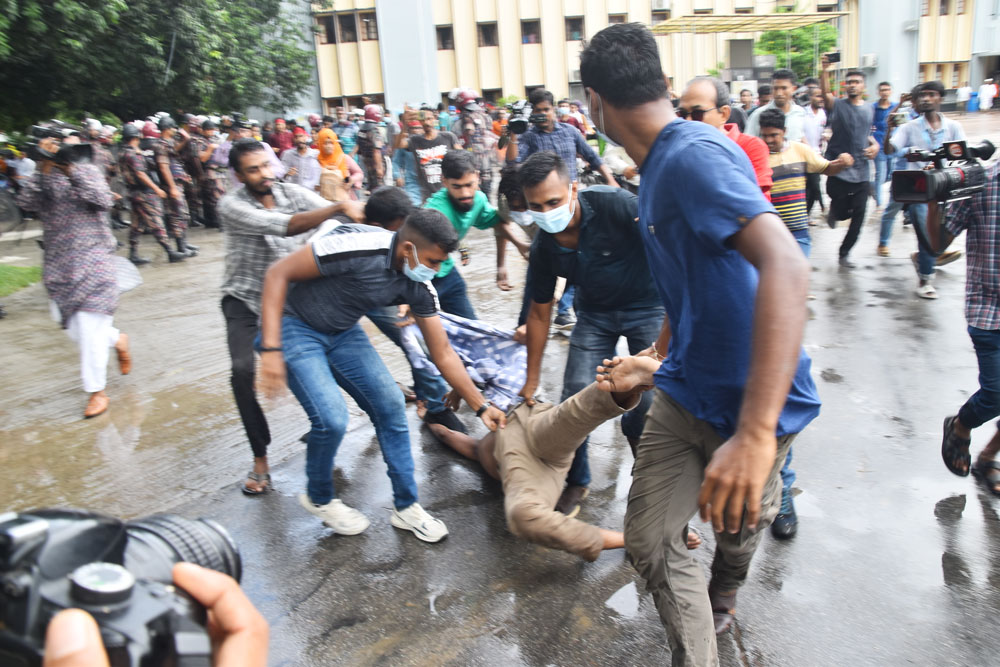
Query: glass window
x,y
956,69
944,7
703,11
327,29
749,10
446,38
487,34
925,7
616,18
939,73
959,6
369,26
348,28
661,15
826,8
574,29
531,32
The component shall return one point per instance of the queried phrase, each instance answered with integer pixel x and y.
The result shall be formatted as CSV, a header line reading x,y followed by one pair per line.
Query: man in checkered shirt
x,y
979,217
263,220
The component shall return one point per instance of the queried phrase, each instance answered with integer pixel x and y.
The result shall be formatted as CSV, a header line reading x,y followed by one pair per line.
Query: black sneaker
x,y
565,320
569,501
447,419
786,524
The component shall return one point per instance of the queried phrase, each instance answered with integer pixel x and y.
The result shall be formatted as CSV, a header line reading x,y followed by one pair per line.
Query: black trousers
x,y
241,330
813,193
848,200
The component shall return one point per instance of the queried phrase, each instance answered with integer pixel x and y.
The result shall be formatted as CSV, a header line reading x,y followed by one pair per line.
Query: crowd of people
x,y
695,250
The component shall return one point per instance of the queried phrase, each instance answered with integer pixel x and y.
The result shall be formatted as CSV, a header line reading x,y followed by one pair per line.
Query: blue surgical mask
x,y
555,220
522,218
422,273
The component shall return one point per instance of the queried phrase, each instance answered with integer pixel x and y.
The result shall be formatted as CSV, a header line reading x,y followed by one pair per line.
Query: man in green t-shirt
x,y
466,206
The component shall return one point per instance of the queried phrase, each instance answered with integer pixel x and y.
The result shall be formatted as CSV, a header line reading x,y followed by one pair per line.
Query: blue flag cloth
x,y
494,361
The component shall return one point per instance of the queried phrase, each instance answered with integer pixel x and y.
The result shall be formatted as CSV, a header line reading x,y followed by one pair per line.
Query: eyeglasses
x,y
695,114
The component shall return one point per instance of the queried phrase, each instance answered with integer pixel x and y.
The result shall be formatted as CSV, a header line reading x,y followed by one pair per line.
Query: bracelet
x,y
656,353
483,408
270,349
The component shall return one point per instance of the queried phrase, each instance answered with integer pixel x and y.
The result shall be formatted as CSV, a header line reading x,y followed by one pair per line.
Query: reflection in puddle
x,y
625,601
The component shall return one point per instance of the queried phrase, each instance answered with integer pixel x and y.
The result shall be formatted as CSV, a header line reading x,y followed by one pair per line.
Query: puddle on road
x,y
625,601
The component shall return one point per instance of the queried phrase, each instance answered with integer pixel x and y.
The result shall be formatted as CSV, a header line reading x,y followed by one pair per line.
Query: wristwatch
x,y
482,408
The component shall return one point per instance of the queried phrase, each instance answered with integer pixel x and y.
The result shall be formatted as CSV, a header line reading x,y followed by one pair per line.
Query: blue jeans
x,y
888,219
453,296
804,241
594,339
566,300
429,387
925,260
882,174
984,405
319,365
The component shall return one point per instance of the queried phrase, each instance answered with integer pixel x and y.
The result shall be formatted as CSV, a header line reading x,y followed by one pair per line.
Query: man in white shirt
x,y
962,96
987,92
783,83
301,163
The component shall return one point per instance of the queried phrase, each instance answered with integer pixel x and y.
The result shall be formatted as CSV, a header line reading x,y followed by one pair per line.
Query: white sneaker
x,y
927,291
415,518
336,515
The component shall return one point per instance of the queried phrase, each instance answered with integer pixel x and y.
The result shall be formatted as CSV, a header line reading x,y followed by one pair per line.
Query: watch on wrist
x,y
483,408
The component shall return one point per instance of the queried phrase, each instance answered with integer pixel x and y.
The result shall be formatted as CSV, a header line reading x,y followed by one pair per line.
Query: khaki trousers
x,y
534,453
669,469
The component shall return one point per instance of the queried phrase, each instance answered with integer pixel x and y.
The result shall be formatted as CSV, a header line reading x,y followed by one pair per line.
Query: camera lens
x,y
157,542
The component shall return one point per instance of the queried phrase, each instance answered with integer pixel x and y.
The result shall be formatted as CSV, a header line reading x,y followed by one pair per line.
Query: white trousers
x,y
95,335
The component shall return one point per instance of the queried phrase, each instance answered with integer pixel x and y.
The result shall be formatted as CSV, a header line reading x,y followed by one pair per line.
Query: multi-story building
x,y
413,51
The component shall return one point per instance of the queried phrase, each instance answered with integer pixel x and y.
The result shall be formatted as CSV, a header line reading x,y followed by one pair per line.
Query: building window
x,y
956,70
327,29
959,6
826,8
944,7
939,73
574,29
661,15
749,10
702,12
491,95
531,32
616,18
369,26
348,28
925,7
487,34
446,38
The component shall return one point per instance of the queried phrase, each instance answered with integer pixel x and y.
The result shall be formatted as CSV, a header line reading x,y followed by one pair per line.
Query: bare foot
x,y
421,409
625,374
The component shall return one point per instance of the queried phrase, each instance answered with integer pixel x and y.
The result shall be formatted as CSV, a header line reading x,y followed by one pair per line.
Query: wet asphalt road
x,y
897,562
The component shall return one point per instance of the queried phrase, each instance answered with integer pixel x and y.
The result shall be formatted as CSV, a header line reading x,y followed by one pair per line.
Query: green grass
x,y
13,278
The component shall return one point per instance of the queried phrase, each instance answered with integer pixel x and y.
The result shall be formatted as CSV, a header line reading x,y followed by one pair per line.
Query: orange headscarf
x,y
334,160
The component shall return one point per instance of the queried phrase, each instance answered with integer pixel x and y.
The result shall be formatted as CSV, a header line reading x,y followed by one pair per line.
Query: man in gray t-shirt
x,y
851,120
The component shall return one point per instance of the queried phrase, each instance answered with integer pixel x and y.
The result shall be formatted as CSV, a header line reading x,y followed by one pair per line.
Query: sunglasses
x,y
694,114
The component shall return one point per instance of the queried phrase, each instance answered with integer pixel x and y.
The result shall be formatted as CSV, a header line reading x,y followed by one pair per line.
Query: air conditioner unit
x,y
661,5
911,26
574,75
869,61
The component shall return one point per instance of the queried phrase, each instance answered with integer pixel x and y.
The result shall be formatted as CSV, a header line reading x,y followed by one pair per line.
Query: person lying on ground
x,y
532,455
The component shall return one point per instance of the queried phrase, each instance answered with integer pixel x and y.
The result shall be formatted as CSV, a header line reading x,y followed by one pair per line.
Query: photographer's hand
x,y
239,633
73,640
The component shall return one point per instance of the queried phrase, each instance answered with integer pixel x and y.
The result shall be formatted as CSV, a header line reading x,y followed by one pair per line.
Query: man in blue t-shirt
x,y
590,238
734,387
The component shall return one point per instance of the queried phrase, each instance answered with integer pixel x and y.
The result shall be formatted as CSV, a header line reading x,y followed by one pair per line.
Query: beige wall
x,y
511,66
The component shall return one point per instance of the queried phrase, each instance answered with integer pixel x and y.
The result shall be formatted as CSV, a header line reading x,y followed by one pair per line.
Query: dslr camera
x,y
957,174
119,572
520,117
67,153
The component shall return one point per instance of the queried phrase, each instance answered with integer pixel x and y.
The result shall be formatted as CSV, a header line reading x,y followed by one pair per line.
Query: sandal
x,y
260,478
988,472
409,395
955,450
723,610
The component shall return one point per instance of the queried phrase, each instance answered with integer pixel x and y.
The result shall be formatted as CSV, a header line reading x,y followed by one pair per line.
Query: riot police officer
x,y
172,176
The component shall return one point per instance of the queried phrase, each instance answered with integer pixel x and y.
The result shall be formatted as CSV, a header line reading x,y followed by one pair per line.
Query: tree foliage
x,y
112,56
801,44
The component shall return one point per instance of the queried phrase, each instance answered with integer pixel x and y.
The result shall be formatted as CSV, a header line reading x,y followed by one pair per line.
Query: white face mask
x,y
522,218
555,220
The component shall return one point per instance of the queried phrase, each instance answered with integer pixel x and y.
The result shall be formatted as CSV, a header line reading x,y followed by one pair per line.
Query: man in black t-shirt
x,y
341,275
428,150
851,120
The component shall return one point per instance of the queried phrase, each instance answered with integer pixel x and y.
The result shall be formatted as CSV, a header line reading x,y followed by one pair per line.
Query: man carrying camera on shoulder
x,y
927,132
979,217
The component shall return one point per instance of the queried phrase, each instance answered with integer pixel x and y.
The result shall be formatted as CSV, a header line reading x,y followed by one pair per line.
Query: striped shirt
x,y
980,217
788,194
355,264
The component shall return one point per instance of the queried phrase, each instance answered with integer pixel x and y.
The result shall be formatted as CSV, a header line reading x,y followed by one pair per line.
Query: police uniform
x,y
147,210
193,168
213,184
177,213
